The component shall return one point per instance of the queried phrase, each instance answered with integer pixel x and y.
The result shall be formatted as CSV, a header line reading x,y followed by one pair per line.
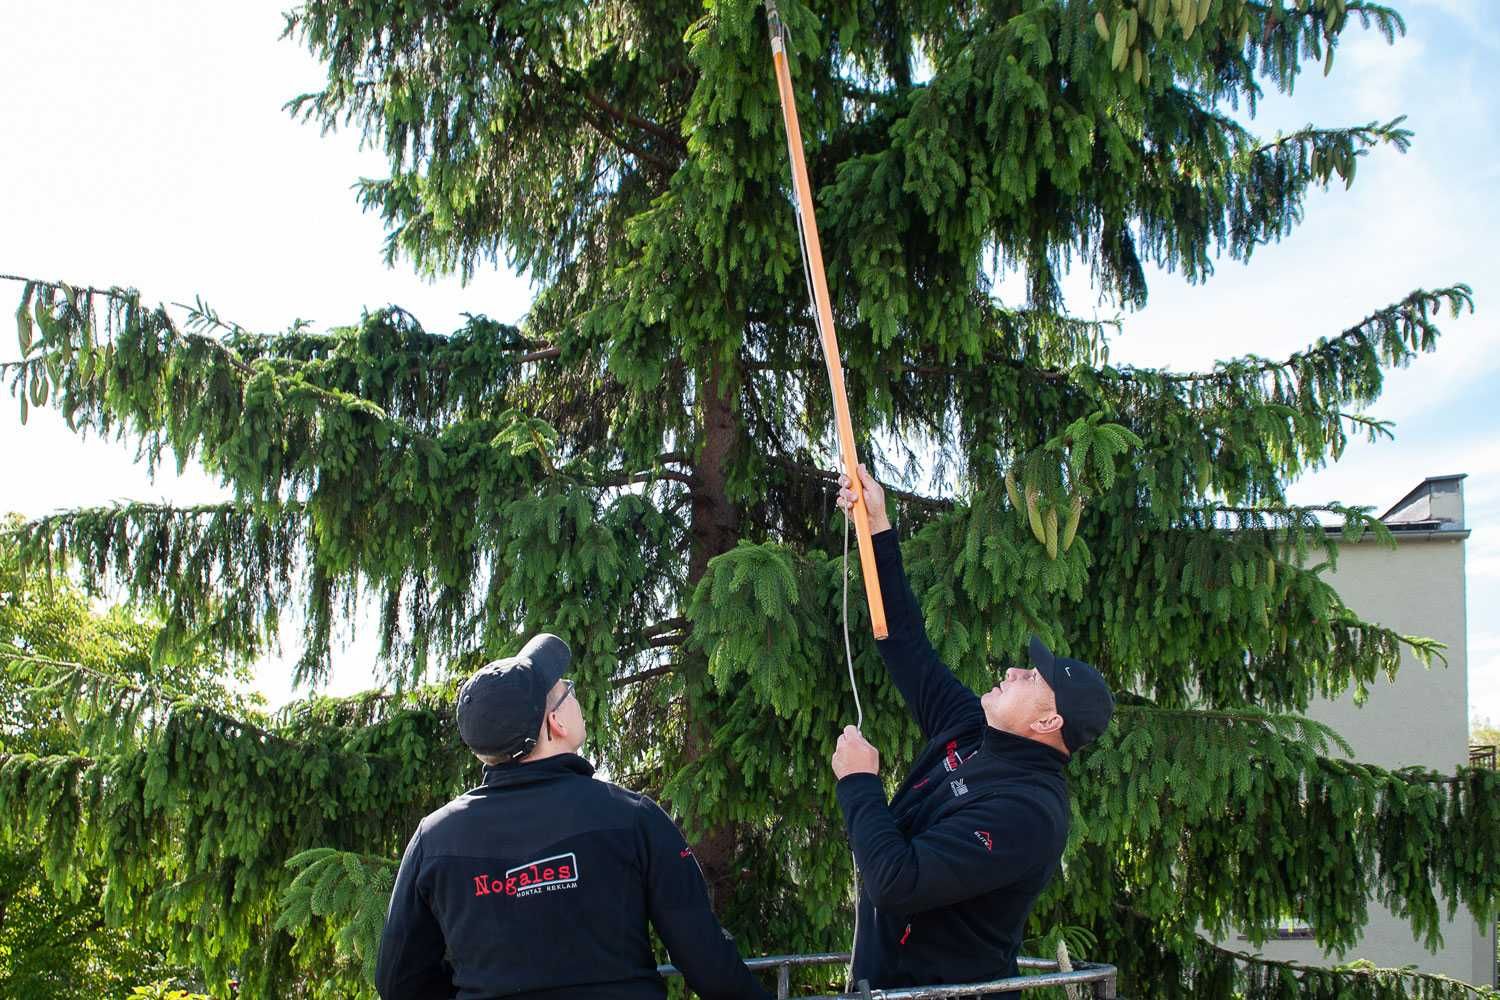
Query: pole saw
x,y
817,286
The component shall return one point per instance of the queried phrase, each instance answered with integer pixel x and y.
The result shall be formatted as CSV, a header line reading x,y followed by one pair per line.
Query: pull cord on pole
x,y
813,272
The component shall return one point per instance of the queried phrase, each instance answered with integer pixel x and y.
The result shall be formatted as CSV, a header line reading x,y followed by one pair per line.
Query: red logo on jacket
x,y
544,875
984,838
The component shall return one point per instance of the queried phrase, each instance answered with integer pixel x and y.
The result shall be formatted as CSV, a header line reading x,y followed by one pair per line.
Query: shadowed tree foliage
x,y
637,467
56,939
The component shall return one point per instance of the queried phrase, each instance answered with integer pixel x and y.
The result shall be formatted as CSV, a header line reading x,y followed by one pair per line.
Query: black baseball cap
x,y
500,707
1083,699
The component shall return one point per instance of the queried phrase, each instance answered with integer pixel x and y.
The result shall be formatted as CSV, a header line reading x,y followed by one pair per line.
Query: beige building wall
x,y
1422,718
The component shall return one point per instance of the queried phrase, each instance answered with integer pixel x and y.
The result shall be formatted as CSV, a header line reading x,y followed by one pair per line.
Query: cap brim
x,y
549,657
1042,660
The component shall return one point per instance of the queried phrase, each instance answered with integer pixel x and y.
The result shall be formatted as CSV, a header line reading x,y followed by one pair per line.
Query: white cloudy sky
x,y
146,146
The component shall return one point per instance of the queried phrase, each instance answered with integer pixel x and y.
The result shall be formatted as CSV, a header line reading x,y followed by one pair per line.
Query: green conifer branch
x,y
1208,969
259,793
1392,335
219,574
1234,772
1356,979
383,503
346,892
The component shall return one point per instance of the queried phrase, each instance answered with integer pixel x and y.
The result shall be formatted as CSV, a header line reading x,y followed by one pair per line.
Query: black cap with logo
x,y
1083,699
500,707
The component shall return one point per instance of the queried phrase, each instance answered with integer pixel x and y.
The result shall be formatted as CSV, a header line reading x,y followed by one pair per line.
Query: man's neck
x,y
1053,739
551,748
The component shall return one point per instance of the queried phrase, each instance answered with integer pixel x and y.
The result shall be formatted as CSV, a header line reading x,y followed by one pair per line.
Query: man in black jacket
x,y
952,866
540,883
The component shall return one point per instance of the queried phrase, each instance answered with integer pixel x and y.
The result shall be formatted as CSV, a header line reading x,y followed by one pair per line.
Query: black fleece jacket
x,y
951,867
540,884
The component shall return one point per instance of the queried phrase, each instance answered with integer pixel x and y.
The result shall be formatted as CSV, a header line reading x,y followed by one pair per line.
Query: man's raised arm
x,y
936,698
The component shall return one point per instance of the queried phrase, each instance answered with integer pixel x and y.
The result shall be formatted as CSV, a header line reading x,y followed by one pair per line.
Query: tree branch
x,y
151,694
537,86
655,475
115,293
1455,295
663,627
1322,508
598,100
1368,970
869,96
640,152
644,675
626,118
46,521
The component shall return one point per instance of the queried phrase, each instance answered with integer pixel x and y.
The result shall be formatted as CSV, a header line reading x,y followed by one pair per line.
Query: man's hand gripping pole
x,y
812,259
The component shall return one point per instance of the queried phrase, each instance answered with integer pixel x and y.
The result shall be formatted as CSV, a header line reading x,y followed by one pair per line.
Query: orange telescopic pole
x,y
823,312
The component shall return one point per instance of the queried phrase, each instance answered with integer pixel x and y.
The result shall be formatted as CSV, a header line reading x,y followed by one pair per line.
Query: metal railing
x,y
1097,977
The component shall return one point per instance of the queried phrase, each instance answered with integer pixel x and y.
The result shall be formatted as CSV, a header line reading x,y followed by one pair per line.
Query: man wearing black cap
x,y
950,868
540,882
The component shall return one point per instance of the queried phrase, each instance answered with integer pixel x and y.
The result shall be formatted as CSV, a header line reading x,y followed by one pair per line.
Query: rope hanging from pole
x,y
817,288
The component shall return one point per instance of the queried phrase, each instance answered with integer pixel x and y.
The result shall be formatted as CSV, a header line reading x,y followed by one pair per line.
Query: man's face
x,y
563,706
1022,698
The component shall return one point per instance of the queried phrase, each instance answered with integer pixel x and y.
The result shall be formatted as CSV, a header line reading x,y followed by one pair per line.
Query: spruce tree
x,y
640,467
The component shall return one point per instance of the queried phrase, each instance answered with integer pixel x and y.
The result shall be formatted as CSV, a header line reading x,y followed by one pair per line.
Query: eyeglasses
x,y
567,690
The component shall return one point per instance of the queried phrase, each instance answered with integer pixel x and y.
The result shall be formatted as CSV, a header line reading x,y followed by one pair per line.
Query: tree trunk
x,y
714,529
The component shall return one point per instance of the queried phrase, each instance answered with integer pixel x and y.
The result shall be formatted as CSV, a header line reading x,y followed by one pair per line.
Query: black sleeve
x,y
677,900
937,699
412,962
986,846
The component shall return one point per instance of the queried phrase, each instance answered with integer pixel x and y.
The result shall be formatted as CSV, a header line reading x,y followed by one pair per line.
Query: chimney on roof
x,y
1437,504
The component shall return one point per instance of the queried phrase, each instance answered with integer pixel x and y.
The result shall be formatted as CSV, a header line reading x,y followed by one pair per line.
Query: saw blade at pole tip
x,y
774,25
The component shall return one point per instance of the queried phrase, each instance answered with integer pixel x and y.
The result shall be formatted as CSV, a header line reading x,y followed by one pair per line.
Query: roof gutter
x,y
1418,535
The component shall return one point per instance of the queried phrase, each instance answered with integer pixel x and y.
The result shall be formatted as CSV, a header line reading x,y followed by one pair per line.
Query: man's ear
x,y
1047,724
